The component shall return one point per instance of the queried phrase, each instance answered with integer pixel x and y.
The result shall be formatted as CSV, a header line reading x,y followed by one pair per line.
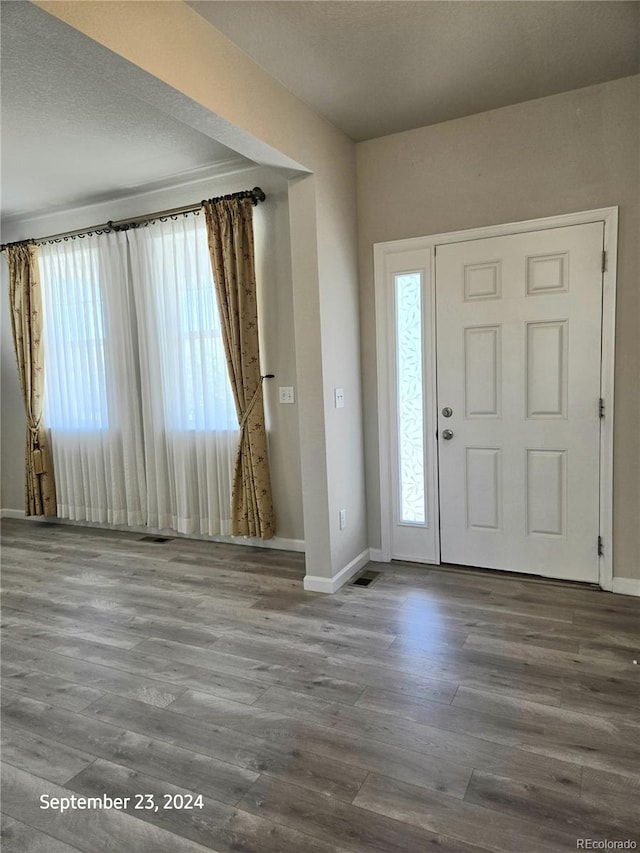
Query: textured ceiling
x,y
372,67
376,67
70,138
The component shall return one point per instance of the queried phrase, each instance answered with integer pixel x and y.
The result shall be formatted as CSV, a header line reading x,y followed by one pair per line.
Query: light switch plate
x,y
286,394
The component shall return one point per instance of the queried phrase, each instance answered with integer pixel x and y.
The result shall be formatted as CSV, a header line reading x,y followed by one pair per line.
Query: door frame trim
x,y
381,251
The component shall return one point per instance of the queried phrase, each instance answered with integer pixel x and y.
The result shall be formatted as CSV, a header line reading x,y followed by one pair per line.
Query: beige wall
x,y
273,272
570,152
561,154
182,64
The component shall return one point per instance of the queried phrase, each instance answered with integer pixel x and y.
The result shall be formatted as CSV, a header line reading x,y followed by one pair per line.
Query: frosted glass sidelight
x,y
410,403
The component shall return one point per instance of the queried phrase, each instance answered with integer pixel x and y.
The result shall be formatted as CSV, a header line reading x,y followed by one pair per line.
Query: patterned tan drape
x,y
25,300
230,234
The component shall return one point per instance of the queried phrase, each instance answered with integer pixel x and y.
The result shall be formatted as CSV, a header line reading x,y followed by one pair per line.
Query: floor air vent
x,y
366,579
159,540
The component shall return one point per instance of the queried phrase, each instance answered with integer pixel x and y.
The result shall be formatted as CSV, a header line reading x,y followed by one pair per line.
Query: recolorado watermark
x,y
605,844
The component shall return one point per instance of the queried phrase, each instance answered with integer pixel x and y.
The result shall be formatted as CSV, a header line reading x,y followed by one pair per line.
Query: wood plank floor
x,y
445,709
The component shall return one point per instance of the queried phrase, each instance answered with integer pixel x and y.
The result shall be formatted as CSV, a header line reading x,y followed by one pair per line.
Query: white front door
x,y
518,364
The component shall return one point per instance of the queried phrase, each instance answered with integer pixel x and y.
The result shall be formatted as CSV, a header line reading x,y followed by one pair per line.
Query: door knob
x,y
447,412
447,434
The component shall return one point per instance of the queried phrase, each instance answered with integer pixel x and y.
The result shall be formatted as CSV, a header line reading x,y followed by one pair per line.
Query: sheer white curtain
x,y
91,398
190,427
137,395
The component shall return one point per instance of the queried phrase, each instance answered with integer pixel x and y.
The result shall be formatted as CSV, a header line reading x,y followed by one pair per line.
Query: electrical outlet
x,y
339,397
343,519
286,394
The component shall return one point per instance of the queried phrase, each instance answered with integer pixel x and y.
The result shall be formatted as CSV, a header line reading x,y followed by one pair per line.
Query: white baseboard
x,y
626,586
316,583
12,513
379,556
278,543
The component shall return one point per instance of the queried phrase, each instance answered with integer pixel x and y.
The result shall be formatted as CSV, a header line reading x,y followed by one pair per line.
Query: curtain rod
x,y
256,195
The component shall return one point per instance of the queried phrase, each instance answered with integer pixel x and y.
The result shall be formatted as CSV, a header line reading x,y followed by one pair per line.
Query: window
x,y
138,397
408,299
74,329
174,284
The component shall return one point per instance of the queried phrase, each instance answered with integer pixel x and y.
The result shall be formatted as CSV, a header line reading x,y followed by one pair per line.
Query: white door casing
x,y
397,257
518,362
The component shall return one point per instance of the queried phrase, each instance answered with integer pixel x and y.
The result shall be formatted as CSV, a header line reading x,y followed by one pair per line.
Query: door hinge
x,y
601,407
604,261
600,547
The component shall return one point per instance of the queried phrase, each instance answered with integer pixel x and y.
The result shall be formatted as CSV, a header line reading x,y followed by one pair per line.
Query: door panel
x,y
482,369
518,361
483,484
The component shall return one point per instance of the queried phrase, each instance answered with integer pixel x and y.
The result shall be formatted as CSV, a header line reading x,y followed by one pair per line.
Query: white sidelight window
x,y
410,398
